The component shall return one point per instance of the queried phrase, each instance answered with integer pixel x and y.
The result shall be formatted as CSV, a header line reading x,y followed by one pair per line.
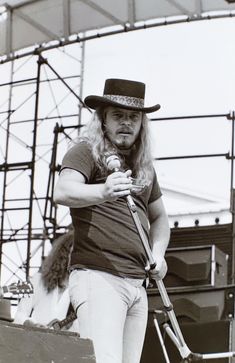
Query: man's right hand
x,y
118,184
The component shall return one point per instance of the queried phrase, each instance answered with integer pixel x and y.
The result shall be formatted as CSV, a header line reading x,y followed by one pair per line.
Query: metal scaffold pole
x,y
5,168
232,197
34,144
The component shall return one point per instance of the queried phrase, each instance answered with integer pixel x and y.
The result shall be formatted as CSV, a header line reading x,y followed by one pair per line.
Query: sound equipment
x,y
196,266
206,318
20,344
219,235
199,271
210,337
17,288
197,305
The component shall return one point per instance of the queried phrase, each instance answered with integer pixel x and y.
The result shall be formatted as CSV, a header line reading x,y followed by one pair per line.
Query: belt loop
x,y
146,283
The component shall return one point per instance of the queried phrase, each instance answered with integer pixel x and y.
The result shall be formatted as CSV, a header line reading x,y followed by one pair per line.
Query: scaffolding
x,y
32,113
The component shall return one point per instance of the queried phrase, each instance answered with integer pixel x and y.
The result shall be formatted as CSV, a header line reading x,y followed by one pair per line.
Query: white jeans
x,y
112,312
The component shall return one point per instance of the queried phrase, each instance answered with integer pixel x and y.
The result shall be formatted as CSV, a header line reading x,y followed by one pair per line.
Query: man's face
x,y
122,126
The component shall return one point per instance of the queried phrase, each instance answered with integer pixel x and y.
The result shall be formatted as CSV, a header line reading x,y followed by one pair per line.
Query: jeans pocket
x,y
78,287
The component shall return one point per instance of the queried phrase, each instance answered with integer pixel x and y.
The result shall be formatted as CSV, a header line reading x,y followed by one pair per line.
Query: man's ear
x,y
104,127
104,120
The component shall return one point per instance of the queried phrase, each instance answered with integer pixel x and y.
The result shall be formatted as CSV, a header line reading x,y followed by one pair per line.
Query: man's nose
x,y
126,120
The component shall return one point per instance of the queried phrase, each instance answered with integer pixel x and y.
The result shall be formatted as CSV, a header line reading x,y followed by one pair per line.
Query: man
x,y
108,263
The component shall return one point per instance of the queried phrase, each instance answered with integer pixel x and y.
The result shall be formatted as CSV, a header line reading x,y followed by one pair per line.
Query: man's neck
x,y
125,152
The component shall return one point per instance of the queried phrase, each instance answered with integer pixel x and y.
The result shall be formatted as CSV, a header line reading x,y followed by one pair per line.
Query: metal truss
x,y
38,92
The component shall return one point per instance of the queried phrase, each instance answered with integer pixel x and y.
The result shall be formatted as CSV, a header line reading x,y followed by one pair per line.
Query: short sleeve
x,y
156,191
79,158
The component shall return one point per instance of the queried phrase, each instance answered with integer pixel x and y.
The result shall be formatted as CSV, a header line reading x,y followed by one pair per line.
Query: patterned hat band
x,y
121,93
126,100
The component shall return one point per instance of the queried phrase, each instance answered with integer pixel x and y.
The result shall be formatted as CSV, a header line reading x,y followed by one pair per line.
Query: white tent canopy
x,y
34,23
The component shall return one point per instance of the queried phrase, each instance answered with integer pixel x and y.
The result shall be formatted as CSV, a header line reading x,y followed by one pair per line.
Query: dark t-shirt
x,y
106,237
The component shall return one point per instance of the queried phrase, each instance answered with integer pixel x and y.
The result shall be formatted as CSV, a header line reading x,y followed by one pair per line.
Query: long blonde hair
x,y
54,269
141,160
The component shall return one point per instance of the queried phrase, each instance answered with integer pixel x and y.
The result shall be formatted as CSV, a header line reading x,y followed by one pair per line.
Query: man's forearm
x,y
78,195
160,235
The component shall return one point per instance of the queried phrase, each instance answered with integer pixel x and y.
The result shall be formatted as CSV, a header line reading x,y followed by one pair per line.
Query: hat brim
x,y
95,102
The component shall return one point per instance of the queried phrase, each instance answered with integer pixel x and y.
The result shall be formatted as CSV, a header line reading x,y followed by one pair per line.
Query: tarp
x,y
37,22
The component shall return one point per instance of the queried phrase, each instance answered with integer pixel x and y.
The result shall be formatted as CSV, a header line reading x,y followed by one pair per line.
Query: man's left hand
x,y
159,272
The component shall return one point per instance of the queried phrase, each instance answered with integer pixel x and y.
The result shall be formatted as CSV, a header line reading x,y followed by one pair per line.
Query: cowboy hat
x,y
121,93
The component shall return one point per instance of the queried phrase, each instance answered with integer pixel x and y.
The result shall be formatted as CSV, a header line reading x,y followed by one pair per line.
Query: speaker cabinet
x,y
200,306
219,235
196,266
19,344
213,337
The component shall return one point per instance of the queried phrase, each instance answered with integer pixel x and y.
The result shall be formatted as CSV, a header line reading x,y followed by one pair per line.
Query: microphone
x,y
113,162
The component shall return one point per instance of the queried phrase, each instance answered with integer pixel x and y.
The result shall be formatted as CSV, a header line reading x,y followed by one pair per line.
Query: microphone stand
x,y
173,331
176,335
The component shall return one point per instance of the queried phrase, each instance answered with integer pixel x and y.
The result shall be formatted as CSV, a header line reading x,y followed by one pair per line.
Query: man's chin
x,y
124,146
122,143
